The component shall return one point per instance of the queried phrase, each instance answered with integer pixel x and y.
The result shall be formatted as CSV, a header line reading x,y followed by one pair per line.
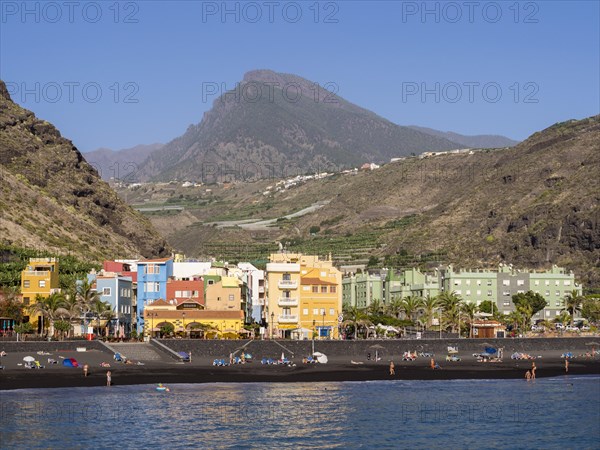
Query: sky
x,y
117,74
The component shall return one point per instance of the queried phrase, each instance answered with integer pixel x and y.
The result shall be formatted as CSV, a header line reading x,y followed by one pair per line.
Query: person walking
x,y
392,368
85,370
533,369
566,365
108,378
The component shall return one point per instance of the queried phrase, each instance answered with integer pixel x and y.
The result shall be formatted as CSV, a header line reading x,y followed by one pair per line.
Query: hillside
x,y
53,200
275,125
532,205
122,164
477,141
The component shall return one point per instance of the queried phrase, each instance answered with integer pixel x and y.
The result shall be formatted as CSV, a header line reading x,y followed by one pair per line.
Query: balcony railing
x,y
287,284
288,319
288,301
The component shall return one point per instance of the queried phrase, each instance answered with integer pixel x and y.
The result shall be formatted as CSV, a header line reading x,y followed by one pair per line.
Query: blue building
x,y
151,284
119,292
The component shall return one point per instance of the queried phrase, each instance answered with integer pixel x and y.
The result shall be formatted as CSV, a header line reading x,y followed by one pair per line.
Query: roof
x,y
158,260
200,314
159,302
316,281
230,282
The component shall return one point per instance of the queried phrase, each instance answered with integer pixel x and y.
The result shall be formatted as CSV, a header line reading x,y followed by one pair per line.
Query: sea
x,y
562,412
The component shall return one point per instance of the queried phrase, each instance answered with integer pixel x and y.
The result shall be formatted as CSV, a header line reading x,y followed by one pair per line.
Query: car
x,y
571,328
537,328
559,326
585,328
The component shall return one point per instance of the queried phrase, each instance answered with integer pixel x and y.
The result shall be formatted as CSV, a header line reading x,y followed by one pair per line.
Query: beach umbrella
x,y
29,359
321,357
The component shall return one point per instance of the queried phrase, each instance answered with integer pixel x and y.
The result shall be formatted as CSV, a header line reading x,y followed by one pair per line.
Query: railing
x,y
38,273
288,301
288,284
288,319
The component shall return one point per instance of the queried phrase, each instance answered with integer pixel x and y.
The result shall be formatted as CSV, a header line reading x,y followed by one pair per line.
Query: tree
x,y
373,261
488,307
355,317
86,296
101,310
167,329
63,326
529,302
10,306
590,309
410,305
50,308
573,303
450,303
428,306
24,328
468,310
395,307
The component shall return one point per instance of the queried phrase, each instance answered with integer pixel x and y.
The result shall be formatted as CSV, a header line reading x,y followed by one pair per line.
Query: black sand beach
x,y
339,368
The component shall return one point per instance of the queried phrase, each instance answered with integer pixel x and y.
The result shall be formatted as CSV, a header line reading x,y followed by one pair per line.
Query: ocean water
x,y
561,412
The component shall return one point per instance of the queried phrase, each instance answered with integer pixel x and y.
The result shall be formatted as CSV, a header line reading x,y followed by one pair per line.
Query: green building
x,y
361,289
411,282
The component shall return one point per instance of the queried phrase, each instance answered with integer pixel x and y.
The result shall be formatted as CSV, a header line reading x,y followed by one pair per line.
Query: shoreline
x,y
15,379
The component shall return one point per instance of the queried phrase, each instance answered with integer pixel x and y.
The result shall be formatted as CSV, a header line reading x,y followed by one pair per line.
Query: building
x,y
152,277
188,289
410,282
119,292
40,277
304,296
189,319
224,294
183,270
254,279
359,290
500,285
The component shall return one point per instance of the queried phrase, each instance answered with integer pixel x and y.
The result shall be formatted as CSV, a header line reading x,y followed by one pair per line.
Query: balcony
x,y
288,301
288,319
287,284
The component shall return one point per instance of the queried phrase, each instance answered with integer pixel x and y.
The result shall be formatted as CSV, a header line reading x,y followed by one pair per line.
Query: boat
x,y
162,388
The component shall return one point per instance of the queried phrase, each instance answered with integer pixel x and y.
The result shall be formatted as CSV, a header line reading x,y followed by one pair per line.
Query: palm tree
x,y
395,307
526,312
51,308
572,303
355,317
375,308
86,296
428,306
410,305
101,310
450,303
468,310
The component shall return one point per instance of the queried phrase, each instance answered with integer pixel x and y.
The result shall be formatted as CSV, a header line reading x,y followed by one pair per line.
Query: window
x,y
468,282
520,282
42,283
547,282
305,312
506,293
323,289
322,311
323,274
520,291
505,282
478,282
287,277
331,311
506,303
315,289
547,293
567,283
26,283
152,268
457,282
26,301
556,283
211,281
316,311
458,292
306,288
151,286
468,292
231,297
489,283
536,282
333,289
478,292
558,293
106,291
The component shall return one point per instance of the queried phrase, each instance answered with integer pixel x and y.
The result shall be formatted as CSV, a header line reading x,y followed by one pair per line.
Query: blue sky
x,y
115,75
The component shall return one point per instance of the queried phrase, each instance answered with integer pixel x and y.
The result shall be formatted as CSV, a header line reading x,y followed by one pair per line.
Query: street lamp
x,y
272,319
440,322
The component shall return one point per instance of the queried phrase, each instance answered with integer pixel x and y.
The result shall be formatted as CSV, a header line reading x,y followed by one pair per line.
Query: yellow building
x,y
304,296
40,277
188,318
224,294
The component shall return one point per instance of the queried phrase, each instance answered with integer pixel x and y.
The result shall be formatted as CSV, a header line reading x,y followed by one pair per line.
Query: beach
x,y
339,368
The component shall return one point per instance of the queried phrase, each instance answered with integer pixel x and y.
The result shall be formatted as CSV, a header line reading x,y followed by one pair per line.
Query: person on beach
x,y
108,378
432,363
566,365
85,370
528,375
230,358
533,369
392,368
190,353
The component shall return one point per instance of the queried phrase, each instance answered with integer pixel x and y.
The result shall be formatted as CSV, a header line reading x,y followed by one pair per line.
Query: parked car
x,y
571,328
585,328
559,326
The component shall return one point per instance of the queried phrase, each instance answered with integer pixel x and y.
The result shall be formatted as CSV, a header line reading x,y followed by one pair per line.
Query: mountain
x,y
277,124
119,164
477,141
53,200
532,205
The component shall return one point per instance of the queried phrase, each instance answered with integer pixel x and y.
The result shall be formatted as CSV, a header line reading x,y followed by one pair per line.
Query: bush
x,y
314,229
